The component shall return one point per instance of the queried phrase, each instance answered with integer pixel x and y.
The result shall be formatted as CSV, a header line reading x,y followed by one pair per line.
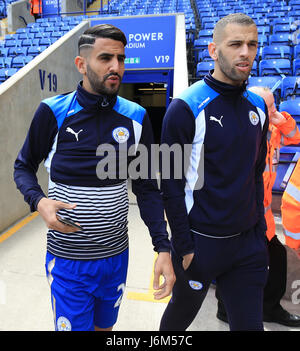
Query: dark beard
x,y
98,86
230,72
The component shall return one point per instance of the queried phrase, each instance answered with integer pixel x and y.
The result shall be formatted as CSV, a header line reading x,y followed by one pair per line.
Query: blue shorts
x,y
84,293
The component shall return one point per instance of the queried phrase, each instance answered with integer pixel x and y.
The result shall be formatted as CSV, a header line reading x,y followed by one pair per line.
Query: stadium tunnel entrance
x,y
155,64
152,90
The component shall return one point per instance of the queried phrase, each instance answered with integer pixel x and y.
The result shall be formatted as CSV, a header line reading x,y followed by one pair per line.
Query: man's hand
x,y
276,118
163,266
48,208
187,259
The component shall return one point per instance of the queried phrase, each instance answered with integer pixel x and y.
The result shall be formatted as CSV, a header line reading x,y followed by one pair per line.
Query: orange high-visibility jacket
x,y
35,6
282,134
290,209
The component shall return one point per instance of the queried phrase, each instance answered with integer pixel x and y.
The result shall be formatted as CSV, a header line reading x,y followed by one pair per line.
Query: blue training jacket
x,y
67,130
221,193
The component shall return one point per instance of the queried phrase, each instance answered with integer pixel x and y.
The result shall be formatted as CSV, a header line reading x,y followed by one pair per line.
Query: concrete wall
x,y
20,95
15,11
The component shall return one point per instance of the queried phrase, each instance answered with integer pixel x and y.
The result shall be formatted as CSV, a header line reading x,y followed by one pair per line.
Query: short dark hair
x,y
101,31
236,18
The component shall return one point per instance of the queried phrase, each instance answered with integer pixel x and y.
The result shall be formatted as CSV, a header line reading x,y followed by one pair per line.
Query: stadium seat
x,y
275,67
45,41
292,107
296,51
5,62
269,82
282,39
263,30
12,43
30,42
203,68
36,50
290,87
4,52
20,61
276,52
205,56
263,40
57,34
286,160
201,43
281,28
254,70
2,75
16,51
296,67
274,83
6,73
205,33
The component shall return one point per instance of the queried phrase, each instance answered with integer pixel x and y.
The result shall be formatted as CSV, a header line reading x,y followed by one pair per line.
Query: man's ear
x,y
212,49
80,63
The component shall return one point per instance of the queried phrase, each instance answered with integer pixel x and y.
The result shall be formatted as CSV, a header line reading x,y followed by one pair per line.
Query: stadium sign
x,y
150,40
51,8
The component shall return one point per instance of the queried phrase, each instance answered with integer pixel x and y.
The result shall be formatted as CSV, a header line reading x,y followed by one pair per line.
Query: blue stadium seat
x,y
272,82
205,33
296,67
269,82
296,51
4,52
203,68
57,34
263,40
292,107
20,61
3,74
275,67
286,160
281,28
50,29
263,30
290,87
36,50
204,55
12,43
30,42
276,51
5,62
202,43
6,73
254,69
25,35
16,51
283,39
45,41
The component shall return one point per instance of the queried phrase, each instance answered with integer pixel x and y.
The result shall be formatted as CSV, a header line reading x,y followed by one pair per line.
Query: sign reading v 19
x,y
48,80
150,40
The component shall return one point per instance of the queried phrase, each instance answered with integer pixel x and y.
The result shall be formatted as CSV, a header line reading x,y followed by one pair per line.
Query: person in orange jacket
x,y
290,210
36,8
283,130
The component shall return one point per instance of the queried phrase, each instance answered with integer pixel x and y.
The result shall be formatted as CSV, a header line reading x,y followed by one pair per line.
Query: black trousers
x,y
240,267
277,277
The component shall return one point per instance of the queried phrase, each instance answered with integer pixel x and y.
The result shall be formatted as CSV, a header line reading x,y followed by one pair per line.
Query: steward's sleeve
x,y
289,130
148,195
178,130
37,145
